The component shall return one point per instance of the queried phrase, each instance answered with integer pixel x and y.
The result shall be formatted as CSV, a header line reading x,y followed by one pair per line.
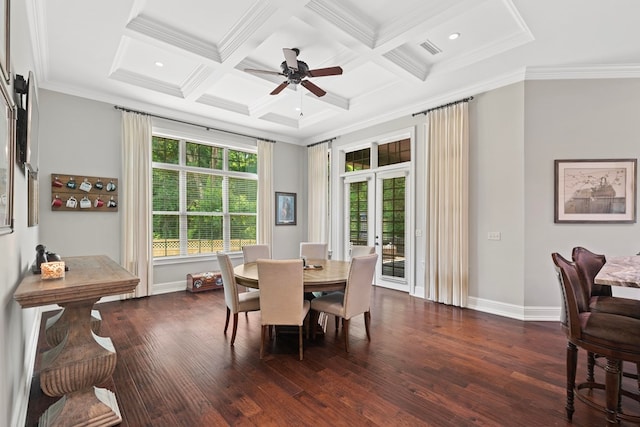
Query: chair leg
x,y
226,323
572,361
367,322
345,332
314,323
591,361
300,340
235,328
337,321
263,332
612,388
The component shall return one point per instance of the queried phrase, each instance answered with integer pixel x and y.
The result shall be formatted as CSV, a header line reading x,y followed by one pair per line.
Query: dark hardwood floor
x,y
426,364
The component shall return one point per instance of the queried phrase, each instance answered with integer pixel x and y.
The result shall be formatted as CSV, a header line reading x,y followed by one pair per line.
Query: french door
x,y
376,215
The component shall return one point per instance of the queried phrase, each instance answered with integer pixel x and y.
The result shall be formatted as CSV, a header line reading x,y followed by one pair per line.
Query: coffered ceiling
x,y
186,59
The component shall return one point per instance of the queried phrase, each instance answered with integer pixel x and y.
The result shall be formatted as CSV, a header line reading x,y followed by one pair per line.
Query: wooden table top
x,y
620,271
89,277
332,276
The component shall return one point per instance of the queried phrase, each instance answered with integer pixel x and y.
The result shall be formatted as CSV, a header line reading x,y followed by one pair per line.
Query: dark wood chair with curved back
x,y
601,298
613,336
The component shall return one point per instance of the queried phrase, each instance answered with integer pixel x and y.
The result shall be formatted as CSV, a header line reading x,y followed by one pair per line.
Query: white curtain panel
x,y
266,217
317,192
135,202
448,165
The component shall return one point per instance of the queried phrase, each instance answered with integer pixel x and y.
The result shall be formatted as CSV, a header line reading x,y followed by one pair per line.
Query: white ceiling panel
x,y
108,50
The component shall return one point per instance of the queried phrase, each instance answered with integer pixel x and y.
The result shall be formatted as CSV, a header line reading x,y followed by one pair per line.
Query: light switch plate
x,y
494,235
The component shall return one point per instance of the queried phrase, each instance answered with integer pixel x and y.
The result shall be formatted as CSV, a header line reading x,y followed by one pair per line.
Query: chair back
x,y
571,294
359,250
228,281
589,264
314,250
357,293
281,292
254,252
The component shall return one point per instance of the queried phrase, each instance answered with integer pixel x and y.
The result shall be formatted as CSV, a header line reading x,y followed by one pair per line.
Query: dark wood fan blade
x,y
329,71
291,57
280,88
274,73
313,88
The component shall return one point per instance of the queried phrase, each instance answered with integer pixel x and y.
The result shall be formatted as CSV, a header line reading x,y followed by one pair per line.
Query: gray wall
x,y
573,119
496,199
18,327
78,137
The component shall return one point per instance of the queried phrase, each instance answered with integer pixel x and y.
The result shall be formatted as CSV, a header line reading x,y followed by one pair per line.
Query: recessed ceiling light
x,y
159,64
454,36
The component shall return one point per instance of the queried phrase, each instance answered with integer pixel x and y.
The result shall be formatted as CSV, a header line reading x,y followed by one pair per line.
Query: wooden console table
x,y
82,359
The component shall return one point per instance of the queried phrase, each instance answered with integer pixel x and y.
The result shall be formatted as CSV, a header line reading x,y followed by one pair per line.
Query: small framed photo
x,y
595,191
285,208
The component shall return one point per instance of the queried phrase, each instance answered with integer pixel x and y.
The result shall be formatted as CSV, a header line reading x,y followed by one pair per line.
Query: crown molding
x,y
140,80
245,27
345,19
164,33
621,71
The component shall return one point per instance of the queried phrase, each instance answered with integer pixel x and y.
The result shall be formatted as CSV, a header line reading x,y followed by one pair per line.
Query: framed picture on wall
x,y
285,208
595,191
7,153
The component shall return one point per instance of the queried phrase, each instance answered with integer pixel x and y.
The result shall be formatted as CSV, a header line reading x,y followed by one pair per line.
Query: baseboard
x,y
19,413
547,314
165,288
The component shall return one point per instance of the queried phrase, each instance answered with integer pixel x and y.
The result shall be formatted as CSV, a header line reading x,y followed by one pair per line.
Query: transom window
x,y
204,198
357,160
378,155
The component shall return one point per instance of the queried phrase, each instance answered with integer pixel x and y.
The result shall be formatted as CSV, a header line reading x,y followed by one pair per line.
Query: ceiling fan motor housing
x,y
295,76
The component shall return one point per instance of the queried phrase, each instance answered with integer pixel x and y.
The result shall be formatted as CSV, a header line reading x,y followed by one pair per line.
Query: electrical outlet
x,y
494,235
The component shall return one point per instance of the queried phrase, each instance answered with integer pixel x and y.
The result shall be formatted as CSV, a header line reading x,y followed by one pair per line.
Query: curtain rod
x,y
321,142
117,107
443,106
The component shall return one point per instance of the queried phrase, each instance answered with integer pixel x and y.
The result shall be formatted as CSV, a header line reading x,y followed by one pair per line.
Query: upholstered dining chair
x,y
312,250
601,298
252,253
355,300
281,301
236,301
359,250
612,336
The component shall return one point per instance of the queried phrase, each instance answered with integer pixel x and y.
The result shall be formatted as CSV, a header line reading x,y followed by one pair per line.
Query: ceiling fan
x,y
296,71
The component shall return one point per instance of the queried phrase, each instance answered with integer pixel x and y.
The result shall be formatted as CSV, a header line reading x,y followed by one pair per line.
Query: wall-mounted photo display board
x,y
82,193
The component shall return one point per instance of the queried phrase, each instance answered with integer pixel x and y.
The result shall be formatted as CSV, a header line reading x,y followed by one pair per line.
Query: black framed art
x,y
285,208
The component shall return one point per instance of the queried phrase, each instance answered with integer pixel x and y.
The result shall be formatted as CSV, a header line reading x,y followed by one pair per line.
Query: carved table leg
x,y
58,325
72,369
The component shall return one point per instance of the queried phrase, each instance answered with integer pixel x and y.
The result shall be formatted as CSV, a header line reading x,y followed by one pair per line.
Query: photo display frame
x,y
595,191
286,208
7,158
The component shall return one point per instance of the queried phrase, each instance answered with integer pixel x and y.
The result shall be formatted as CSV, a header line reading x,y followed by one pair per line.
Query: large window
x,y
204,198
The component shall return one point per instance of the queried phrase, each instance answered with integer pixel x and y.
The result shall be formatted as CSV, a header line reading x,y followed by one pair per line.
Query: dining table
x,y
320,275
620,271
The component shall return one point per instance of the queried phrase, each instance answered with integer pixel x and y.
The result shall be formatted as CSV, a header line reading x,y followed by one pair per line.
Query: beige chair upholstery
x,y
314,250
281,302
254,252
236,301
359,250
356,298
